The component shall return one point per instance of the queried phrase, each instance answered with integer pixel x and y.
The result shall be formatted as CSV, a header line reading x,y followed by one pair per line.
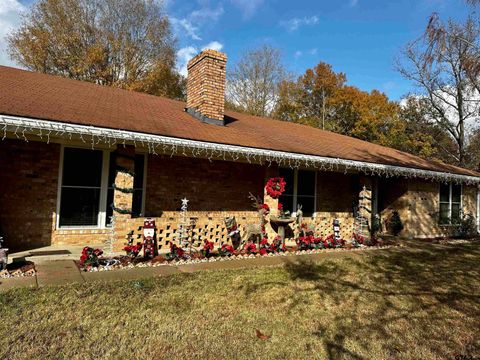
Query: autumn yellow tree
x,y
121,43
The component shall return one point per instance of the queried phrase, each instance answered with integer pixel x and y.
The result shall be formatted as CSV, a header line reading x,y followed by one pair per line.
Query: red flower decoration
x,y
263,251
208,245
280,206
275,187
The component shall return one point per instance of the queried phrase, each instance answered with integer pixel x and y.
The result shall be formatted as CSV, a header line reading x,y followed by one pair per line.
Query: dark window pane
x,y
139,167
79,206
307,203
137,202
82,167
444,192
287,202
288,176
456,193
444,213
112,170
455,213
306,183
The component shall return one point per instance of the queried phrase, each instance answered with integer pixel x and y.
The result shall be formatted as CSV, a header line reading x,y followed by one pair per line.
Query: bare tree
x,y
253,83
122,43
441,73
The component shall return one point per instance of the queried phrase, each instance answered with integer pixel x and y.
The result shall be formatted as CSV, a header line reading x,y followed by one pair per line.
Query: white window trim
x,y
450,203
102,210
295,193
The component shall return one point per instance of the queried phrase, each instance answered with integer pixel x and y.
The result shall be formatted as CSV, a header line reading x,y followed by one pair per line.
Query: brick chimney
x,y
206,86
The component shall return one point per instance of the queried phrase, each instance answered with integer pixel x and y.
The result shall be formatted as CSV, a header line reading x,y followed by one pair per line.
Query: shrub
x,y
395,225
467,226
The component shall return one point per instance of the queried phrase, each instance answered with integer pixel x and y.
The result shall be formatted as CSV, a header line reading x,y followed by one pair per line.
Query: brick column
x,y
271,171
123,200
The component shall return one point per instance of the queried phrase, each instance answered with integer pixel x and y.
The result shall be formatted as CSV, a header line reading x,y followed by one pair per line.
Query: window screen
x,y
81,186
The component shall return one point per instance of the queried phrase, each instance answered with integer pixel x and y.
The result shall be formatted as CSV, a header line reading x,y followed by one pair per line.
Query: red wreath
x,y
275,187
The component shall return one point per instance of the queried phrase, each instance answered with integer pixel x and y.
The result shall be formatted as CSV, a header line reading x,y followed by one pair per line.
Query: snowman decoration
x,y
149,238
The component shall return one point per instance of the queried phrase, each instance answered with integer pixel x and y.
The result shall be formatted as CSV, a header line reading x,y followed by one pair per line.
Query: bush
x,y
467,226
395,225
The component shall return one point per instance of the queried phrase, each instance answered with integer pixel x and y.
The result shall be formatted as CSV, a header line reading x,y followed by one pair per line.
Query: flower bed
x,y
18,269
179,256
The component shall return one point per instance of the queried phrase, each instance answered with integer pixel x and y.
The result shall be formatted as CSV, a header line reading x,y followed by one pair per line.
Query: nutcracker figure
x,y
149,246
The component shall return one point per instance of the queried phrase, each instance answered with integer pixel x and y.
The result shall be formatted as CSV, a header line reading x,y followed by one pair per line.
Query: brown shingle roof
x,y
34,95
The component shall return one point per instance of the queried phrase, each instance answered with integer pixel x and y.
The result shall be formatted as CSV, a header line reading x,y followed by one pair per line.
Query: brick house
x,y
64,142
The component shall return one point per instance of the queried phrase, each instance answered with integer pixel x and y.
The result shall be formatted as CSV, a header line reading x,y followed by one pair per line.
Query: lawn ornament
x,y
336,229
149,248
233,232
3,255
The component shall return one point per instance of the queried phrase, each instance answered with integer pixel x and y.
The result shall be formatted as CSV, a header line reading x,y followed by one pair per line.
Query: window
x,y
81,187
450,203
300,190
86,191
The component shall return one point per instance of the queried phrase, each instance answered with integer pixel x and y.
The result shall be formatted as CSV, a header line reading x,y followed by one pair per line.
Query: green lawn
x,y
420,302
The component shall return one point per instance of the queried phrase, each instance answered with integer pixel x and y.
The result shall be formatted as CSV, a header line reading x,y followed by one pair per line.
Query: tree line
x,y
130,44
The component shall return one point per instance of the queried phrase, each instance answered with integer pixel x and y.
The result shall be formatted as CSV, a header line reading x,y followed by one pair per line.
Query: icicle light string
x,y
210,151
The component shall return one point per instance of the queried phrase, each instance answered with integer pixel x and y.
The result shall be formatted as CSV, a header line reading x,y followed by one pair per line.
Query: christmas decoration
x,y
336,229
21,127
90,256
182,231
149,248
233,231
3,255
394,224
133,250
275,187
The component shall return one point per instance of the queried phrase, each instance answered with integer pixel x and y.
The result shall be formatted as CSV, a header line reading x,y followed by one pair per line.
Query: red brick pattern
x,y
28,192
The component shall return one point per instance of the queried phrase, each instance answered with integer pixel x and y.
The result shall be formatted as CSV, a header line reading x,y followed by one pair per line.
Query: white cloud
x,y
297,54
214,45
313,51
296,23
190,25
10,18
353,3
187,26
206,13
188,52
248,7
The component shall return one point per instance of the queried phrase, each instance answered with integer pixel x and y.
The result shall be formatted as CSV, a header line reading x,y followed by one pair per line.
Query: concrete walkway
x,y
60,272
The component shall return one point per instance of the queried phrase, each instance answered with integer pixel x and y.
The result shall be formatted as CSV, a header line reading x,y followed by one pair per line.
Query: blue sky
x,y
358,37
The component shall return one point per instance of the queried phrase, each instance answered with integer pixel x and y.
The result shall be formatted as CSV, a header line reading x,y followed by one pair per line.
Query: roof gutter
x,y
93,135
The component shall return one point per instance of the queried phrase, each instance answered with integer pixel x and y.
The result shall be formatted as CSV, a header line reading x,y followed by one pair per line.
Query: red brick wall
x,y
210,186
28,192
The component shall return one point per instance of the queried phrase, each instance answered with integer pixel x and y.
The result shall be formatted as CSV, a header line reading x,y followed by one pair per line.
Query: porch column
x,y
364,205
271,171
123,195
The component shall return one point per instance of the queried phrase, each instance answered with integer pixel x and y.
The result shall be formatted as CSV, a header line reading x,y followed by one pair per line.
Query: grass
x,y
420,302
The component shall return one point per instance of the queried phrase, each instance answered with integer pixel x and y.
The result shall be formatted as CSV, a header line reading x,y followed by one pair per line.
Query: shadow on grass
x,y
426,285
